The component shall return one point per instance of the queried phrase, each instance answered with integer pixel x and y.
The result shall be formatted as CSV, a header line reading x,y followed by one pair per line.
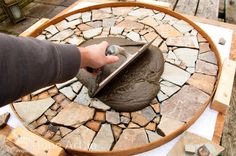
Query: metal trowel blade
x,y
129,60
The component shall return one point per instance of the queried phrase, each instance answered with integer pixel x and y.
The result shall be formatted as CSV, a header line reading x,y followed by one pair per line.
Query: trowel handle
x,y
109,51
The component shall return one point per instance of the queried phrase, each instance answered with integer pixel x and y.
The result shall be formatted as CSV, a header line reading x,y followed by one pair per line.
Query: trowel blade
x,y
129,60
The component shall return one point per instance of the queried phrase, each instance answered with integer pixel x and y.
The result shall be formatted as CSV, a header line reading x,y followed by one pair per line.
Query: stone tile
x,y
183,105
144,116
108,22
116,131
141,13
168,88
172,58
204,47
169,125
183,41
139,138
100,116
42,120
61,85
100,14
4,119
206,68
191,70
166,31
63,25
79,139
169,19
208,57
130,25
64,131
174,74
53,91
157,119
203,82
68,92
200,38
96,103
95,24
50,112
121,11
42,129
150,21
194,32
84,27
86,16
62,35
124,120
163,47
150,36
74,17
74,115
92,33
41,37
83,97
182,26
116,30
76,86
39,107
133,125
112,117
74,23
159,16
103,140
52,29
93,125
153,136
187,56
49,135
125,114
59,98
156,107
161,96
75,40
151,126
133,36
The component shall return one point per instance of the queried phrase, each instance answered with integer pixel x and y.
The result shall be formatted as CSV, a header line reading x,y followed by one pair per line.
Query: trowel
x,y
115,50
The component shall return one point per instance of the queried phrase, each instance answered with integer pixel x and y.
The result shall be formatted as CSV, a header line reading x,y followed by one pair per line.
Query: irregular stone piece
x,y
169,19
130,25
74,115
169,125
79,139
124,120
151,126
83,97
99,105
133,125
113,117
39,107
150,21
208,57
161,96
182,26
93,125
116,131
174,74
42,120
156,107
133,36
201,38
3,119
183,105
84,27
183,41
141,13
64,131
144,116
52,29
172,58
92,33
168,88
203,82
61,85
75,40
103,140
121,11
139,138
166,31
86,16
187,56
150,36
74,17
204,47
68,92
108,22
159,16
76,86
163,47
100,14
95,24
63,25
62,35
116,30
100,116
153,136
206,68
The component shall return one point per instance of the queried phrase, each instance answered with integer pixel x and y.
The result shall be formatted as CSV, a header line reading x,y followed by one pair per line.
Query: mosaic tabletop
x,y
65,114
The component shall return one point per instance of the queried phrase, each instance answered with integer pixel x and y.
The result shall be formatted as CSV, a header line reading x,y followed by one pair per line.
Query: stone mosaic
x,y
65,113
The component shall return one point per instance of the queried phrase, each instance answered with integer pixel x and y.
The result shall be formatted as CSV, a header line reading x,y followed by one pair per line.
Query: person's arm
x,y
27,64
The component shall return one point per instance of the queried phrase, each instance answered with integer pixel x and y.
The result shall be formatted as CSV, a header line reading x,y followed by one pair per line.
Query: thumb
x,y
111,59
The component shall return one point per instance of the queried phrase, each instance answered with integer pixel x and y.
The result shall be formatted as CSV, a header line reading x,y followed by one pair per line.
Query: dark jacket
x,y
27,64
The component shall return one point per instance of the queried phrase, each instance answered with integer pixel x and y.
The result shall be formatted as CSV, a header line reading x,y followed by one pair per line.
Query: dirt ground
x,y
229,133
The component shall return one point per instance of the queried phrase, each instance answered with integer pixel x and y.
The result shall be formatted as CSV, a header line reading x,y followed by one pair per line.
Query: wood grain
x,y
208,9
172,3
186,6
231,11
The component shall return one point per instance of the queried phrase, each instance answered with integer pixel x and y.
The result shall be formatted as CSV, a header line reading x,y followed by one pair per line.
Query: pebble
x,y
222,41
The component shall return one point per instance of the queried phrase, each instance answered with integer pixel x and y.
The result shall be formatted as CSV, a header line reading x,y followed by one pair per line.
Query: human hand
x,y
94,56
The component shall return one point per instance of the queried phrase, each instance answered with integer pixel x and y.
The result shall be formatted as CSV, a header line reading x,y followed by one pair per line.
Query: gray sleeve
x,y
27,64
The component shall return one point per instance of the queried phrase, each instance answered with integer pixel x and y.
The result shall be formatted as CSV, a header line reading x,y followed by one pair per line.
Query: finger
x,y
111,59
